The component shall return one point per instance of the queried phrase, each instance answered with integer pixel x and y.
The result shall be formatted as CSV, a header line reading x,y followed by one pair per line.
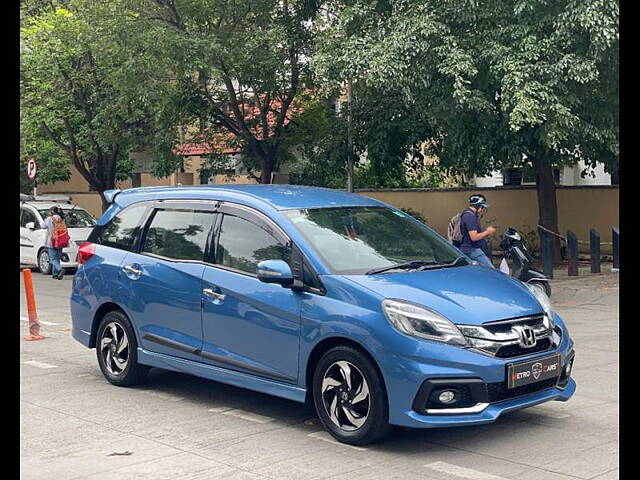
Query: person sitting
x,y
472,233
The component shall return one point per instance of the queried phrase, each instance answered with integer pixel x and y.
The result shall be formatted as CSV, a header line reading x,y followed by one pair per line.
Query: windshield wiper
x,y
400,266
443,265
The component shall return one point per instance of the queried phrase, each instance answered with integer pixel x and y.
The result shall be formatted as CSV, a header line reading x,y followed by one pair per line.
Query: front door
x,y
248,325
30,240
165,280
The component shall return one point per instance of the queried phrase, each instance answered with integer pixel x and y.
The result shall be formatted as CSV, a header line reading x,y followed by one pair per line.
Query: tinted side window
x,y
28,216
178,234
243,244
122,230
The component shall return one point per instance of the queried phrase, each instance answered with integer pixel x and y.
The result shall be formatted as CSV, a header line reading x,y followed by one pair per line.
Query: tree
x,y
502,82
80,91
237,68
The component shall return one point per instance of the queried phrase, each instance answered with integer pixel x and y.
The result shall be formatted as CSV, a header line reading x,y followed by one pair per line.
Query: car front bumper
x,y
405,377
68,258
492,411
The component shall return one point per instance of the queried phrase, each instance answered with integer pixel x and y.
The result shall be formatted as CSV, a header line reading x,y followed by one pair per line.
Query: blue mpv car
x,y
319,295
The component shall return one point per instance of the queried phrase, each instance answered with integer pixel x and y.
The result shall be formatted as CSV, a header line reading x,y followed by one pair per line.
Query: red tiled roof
x,y
188,149
225,142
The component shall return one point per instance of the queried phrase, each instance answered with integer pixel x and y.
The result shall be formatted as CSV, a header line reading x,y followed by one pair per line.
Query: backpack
x,y
453,232
60,236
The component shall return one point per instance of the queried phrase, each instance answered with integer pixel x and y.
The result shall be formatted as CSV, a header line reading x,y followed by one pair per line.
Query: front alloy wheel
x,y
345,394
350,396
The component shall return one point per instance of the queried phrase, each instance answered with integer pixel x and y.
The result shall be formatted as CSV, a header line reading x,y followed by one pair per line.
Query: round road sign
x,y
32,168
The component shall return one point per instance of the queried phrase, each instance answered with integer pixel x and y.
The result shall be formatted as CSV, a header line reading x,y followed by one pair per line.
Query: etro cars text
x,y
314,294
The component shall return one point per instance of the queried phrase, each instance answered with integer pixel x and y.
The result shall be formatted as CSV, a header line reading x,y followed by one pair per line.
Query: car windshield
x,y
358,240
74,217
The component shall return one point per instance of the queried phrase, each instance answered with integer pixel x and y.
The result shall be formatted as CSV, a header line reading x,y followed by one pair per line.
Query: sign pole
x,y
32,169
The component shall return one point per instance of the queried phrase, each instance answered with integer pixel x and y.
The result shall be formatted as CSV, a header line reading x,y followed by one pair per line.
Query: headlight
x,y
421,322
544,301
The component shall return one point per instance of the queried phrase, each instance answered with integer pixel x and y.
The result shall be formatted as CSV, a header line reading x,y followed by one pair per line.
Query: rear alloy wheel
x,y
350,397
116,349
44,262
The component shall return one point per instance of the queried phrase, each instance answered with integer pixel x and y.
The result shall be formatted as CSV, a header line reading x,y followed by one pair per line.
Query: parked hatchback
x,y
314,294
33,233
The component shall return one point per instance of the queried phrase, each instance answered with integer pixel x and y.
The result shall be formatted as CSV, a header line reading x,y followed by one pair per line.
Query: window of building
x,y
512,176
243,244
526,176
178,234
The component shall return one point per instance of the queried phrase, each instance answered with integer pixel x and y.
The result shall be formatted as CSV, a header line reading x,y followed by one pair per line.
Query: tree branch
x,y
54,138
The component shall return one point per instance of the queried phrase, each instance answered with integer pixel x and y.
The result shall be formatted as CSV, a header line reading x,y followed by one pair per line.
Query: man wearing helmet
x,y
472,233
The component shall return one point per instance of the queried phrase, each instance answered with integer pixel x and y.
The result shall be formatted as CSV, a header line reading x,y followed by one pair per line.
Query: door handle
x,y
214,295
131,270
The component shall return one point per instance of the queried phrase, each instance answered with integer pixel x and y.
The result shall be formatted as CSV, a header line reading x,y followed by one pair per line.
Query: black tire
x,y
376,425
132,373
45,270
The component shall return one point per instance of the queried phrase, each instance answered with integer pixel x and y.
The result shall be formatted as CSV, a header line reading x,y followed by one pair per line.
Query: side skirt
x,y
222,375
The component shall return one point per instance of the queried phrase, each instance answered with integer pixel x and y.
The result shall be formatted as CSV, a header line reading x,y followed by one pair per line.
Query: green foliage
x,y
492,80
316,145
236,70
81,96
488,84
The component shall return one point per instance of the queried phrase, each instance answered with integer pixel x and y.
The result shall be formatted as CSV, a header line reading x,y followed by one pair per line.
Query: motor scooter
x,y
515,250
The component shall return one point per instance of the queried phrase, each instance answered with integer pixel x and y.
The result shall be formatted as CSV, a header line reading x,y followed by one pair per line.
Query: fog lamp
x,y
568,369
447,397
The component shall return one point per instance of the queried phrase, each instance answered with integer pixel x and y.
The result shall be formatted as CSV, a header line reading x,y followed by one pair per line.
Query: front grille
x,y
505,325
501,339
498,391
516,350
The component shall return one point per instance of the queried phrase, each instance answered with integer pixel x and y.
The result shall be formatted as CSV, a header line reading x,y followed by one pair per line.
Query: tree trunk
x,y
547,203
105,205
266,165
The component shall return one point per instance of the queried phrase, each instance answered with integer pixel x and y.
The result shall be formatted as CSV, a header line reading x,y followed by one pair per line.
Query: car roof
x,y
45,205
279,197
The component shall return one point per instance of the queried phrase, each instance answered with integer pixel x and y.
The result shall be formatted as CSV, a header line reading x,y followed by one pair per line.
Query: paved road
x,y
76,425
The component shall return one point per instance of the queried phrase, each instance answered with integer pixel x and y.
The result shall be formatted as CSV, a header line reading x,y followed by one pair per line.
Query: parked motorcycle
x,y
514,249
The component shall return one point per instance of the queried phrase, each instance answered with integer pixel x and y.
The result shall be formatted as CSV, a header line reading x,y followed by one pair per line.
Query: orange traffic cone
x,y
34,325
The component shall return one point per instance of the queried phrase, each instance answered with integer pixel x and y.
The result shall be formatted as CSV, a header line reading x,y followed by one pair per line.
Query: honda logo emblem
x,y
526,336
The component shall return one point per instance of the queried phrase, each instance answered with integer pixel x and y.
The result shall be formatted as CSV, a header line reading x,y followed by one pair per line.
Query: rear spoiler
x,y
110,195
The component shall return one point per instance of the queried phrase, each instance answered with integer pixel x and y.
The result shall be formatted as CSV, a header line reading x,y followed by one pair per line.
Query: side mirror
x,y
275,271
30,225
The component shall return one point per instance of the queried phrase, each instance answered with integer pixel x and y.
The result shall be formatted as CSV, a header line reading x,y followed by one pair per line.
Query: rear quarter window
x,y
122,230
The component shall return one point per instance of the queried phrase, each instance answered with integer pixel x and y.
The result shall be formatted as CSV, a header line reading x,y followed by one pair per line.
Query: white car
x,y
33,233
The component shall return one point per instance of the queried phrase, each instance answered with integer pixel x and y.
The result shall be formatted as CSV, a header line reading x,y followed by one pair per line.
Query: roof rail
x,y
54,198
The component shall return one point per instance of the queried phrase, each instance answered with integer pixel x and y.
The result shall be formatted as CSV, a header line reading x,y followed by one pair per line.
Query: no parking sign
x,y
32,168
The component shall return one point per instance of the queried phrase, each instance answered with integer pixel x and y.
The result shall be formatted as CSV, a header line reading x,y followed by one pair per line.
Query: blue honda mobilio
x,y
314,294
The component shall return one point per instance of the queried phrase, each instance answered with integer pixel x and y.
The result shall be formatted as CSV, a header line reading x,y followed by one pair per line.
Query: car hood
x,y
468,295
